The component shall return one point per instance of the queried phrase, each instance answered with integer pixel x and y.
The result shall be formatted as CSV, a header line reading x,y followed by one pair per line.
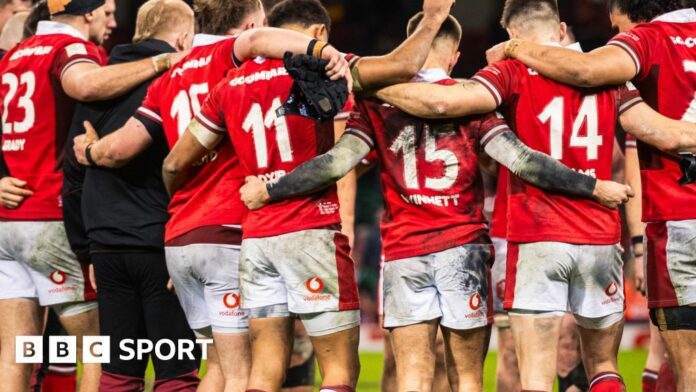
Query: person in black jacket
x,y
116,218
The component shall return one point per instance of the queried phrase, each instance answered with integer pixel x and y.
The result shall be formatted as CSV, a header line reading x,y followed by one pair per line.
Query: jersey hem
x,y
249,234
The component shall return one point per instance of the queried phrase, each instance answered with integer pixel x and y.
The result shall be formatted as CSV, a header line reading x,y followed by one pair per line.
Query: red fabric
x,y
430,176
513,253
649,381
184,383
89,293
348,297
37,118
575,126
59,382
666,81
339,388
244,106
607,382
211,196
500,210
110,382
661,292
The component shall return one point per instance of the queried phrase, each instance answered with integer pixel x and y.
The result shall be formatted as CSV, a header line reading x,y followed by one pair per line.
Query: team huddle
x,y
190,182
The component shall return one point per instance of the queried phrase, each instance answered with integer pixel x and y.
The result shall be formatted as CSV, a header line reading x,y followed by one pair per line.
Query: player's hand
x,y
612,194
81,142
13,192
639,273
92,277
338,67
254,193
496,53
437,8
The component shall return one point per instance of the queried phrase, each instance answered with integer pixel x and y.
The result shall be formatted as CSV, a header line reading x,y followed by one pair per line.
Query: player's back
x,y
36,115
211,196
430,178
664,52
576,127
270,146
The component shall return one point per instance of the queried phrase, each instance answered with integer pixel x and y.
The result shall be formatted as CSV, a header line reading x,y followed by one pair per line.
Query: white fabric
x,y
685,15
298,269
498,273
681,259
207,39
432,75
452,285
586,280
36,262
207,283
46,27
322,324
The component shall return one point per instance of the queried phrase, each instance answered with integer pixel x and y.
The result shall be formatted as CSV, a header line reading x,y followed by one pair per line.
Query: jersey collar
x,y
574,46
685,15
432,75
46,27
207,39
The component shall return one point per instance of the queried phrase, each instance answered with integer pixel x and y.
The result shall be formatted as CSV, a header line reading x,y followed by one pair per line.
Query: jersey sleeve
x,y
630,141
628,97
149,111
490,126
347,109
497,79
75,53
211,116
224,54
359,124
636,44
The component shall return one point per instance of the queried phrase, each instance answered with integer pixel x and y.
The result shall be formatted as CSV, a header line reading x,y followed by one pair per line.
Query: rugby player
x,y
663,41
59,65
600,323
436,244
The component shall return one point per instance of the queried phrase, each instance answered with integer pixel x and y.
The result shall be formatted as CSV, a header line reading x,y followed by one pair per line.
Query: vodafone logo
x,y
231,300
57,277
314,285
612,289
475,301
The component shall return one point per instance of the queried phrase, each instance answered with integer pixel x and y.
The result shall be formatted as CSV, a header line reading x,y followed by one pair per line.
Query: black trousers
x,y
134,303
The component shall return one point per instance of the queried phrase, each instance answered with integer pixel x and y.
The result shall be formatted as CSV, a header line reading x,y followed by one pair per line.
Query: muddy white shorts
x,y
498,274
36,262
586,280
310,271
452,285
206,279
671,263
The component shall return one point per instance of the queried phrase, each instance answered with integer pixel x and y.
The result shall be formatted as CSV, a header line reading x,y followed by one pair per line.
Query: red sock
x,y
112,382
665,379
181,383
649,380
336,388
607,382
59,379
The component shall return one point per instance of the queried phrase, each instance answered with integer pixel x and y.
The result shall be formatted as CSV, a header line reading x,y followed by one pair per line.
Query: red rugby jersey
x,y
575,126
430,176
244,105
36,114
664,52
211,196
500,210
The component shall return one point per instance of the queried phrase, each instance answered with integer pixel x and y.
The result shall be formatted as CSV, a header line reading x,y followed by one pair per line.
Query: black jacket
x,y
116,209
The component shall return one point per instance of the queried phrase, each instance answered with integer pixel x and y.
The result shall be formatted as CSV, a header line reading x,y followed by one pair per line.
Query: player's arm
x,y
114,150
547,173
196,142
634,213
429,100
274,43
607,65
347,189
653,128
312,176
87,81
402,63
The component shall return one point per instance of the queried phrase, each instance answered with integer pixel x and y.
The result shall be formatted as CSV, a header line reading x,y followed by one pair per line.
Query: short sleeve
x,y
636,44
347,109
628,97
498,79
211,115
224,53
630,141
75,53
359,124
149,111
490,126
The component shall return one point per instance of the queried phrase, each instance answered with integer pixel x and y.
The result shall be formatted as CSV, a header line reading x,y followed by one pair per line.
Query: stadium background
x,y
372,27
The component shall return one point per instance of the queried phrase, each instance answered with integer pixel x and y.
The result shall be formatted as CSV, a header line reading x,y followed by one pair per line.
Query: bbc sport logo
x,y
97,349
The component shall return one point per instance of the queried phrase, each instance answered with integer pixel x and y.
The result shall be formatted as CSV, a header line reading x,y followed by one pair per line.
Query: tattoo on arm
x,y
537,168
322,171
